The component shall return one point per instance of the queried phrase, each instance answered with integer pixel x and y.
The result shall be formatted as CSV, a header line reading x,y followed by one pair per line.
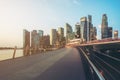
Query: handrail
x,y
92,65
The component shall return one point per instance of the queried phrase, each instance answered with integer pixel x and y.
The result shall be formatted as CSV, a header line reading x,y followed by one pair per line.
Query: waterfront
x,y
8,54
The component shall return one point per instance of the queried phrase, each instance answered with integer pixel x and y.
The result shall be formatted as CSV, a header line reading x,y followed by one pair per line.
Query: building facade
x,y
77,30
115,33
45,42
61,33
40,33
69,32
83,28
34,41
110,32
26,42
104,27
53,37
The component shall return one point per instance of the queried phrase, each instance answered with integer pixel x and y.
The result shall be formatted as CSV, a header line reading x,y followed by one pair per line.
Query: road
x,y
62,64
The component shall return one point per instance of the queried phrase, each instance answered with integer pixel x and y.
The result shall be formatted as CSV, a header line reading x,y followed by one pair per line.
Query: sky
x,y
16,15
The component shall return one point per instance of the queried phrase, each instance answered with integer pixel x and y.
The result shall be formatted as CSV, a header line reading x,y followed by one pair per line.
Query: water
x,y
8,54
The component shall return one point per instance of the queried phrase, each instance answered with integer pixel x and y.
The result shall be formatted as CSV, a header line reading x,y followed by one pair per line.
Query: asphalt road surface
x,y
62,64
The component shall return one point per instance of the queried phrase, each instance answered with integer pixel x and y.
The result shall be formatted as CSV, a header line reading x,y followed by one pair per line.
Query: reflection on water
x,y
8,54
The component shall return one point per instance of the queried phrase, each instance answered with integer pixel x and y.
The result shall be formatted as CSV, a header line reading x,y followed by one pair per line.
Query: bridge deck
x,y
63,64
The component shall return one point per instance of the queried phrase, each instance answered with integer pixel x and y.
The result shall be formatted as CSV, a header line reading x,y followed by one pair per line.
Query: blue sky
x,y
16,15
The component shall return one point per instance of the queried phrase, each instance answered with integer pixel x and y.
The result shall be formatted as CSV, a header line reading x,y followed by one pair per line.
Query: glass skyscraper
x,y
69,32
104,27
110,32
83,25
53,37
26,42
77,30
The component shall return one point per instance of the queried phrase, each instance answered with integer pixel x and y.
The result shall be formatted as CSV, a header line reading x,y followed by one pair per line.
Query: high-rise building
x,y
115,33
94,33
53,37
61,33
104,27
89,28
83,25
40,33
69,31
34,40
68,28
45,41
26,42
77,30
110,32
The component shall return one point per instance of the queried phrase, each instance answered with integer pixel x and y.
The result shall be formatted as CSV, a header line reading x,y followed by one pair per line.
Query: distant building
x,y
69,31
90,31
40,33
77,30
68,28
104,27
110,32
61,33
83,25
34,40
26,42
89,22
116,34
71,36
45,41
94,33
53,37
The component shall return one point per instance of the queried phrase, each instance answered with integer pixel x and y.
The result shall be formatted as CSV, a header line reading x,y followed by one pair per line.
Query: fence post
x,y
14,52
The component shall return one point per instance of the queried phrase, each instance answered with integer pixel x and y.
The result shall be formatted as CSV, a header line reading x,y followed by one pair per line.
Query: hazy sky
x,y
16,15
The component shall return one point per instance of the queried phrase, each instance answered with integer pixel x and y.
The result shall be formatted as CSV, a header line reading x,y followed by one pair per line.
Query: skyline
x,y
17,15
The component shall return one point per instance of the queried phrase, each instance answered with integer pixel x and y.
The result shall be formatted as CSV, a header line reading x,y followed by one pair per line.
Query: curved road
x,y
62,64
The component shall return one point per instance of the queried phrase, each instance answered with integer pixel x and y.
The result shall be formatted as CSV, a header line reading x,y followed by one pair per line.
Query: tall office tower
x,y
68,28
53,37
89,27
26,42
83,25
115,33
77,30
34,40
61,33
110,30
40,33
94,33
45,41
69,31
90,32
104,27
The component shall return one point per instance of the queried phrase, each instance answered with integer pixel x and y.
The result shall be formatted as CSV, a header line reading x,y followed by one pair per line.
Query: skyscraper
x,y
34,40
104,27
53,37
83,25
69,32
110,32
61,33
40,33
26,42
68,28
116,34
77,30
89,28
94,33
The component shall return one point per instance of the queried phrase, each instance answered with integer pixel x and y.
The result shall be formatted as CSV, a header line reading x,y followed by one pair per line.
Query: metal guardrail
x,y
109,65
92,73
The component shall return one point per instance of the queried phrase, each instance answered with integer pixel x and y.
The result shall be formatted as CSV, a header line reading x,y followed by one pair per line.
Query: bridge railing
x,y
91,72
79,41
110,66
